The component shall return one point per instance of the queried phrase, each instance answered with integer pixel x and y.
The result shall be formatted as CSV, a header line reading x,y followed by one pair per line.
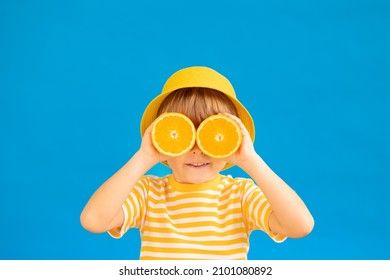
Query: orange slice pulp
x,y
218,136
173,134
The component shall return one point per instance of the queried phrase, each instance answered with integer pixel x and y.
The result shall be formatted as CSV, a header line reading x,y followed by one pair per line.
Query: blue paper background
x,y
75,77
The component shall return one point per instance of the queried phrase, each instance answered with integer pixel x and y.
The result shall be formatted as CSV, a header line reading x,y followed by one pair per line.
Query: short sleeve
x,y
257,210
134,208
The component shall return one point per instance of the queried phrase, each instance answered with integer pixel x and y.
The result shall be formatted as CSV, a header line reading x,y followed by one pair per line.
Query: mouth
x,y
197,164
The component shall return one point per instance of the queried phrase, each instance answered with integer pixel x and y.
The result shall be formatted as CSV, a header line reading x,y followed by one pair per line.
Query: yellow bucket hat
x,y
197,76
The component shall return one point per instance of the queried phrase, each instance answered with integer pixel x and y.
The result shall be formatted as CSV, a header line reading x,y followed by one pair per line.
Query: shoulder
x,y
153,181
238,184
229,180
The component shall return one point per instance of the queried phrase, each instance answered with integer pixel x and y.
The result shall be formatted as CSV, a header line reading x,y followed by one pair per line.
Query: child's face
x,y
194,167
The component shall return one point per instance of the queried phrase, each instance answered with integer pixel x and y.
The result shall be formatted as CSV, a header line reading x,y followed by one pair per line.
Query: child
x,y
195,212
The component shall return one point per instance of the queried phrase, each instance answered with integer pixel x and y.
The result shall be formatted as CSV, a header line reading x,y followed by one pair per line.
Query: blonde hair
x,y
197,103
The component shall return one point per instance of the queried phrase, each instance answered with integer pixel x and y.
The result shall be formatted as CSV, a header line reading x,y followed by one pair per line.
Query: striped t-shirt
x,y
212,220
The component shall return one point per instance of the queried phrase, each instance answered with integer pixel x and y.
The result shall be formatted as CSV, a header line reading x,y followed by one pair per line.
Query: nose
x,y
196,151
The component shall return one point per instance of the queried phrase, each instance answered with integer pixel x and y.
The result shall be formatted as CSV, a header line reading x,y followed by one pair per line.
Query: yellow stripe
x,y
219,242
202,233
192,195
227,205
164,221
198,214
189,205
192,251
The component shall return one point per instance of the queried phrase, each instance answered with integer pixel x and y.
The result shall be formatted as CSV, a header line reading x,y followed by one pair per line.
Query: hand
x,y
246,150
147,149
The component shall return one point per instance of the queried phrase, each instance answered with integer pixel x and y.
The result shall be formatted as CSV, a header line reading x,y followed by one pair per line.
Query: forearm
x,y
109,197
288,208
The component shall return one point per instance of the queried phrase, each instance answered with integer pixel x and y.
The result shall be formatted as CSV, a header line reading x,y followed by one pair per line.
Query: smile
x,y
194,164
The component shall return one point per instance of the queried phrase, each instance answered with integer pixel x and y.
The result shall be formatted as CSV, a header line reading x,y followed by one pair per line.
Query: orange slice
x,y
218,136
173,134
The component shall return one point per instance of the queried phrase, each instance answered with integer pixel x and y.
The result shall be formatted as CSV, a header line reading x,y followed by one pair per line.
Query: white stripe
x,y
191,210
143,186
257,215
173,194
230,189
135,203
251,205
165,255
196,219
163,197
183,201
155,187
153,205
195,229
248,192
140,189
157,197
131,214
194,246
195,209
156,183
154,234
126,217
192,200
264,227
228,199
